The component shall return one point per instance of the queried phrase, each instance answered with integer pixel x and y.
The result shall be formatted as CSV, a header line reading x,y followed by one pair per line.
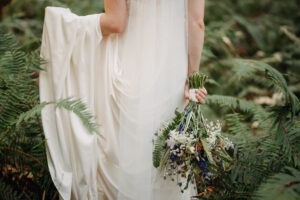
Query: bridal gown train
x,y
131,82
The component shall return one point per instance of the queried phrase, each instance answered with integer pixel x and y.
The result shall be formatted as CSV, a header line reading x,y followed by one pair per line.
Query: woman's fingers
x,y
200,95
202,90
200,99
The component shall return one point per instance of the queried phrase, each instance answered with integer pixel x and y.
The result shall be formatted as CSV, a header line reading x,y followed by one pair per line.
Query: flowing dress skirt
x,y
131,82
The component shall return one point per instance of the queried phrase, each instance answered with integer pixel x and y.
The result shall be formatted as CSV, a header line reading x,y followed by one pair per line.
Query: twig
x,y
290,183
54,196
44,195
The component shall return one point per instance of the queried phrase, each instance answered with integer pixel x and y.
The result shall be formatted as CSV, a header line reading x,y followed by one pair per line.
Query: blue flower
x,y
172,157
203,164
181,126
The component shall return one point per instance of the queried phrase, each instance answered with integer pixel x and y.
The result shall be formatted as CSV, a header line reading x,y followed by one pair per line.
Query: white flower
x,y
213,131
228,144
191,149
181,138
171,142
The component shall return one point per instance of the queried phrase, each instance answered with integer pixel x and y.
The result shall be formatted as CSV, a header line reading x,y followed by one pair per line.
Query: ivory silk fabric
x,y
131,82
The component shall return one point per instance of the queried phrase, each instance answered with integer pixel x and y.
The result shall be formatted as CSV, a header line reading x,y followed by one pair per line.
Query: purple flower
x,y
203,164
181,126
172,157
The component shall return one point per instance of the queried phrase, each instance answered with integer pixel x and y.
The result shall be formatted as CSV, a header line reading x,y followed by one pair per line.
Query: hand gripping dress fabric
x,y
131,82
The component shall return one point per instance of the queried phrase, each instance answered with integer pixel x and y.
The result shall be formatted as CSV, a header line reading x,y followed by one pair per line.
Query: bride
x,y
130,66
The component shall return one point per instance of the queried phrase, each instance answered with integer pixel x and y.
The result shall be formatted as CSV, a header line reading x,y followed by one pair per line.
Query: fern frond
x,y
8,193
288,137
236,125
157,152
36,110
232,102
80,109
282,186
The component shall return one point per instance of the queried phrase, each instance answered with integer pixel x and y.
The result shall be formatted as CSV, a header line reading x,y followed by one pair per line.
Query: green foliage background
x,y
252,57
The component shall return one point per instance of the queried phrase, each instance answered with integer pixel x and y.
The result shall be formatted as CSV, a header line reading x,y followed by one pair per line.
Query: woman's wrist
x,y
192,67
190,72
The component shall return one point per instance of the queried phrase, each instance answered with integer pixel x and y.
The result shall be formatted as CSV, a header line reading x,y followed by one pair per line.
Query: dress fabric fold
x,y
131,82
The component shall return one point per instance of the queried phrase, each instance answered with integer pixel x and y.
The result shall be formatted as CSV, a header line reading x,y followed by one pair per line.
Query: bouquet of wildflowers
x,y
192,147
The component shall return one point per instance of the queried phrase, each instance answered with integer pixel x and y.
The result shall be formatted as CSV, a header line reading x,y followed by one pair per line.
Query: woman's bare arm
x,y
114,19
196,30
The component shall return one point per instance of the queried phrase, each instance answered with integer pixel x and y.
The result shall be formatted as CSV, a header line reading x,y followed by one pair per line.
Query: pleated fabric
x,y
131,82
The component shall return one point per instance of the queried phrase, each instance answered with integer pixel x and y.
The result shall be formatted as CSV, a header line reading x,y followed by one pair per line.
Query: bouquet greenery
x,y
192,147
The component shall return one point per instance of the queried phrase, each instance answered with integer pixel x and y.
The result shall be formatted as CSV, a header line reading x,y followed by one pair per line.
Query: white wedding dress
x,y
131,82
